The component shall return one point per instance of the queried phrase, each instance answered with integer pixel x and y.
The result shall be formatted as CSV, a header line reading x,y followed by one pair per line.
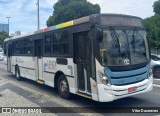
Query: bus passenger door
x,y
83,59
39,58
9,55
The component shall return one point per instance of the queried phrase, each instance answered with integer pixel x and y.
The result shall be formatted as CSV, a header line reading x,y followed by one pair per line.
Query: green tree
x,y
153,29
66,10
153,26
3,36
156,7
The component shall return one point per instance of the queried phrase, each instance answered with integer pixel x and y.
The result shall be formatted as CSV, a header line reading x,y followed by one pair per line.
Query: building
x,y
17,33
4,27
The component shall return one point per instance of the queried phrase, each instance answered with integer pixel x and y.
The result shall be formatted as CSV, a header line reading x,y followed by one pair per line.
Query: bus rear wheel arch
x,y
63,87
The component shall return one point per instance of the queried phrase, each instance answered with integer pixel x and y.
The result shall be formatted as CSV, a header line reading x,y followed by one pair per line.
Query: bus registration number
x,y
132,89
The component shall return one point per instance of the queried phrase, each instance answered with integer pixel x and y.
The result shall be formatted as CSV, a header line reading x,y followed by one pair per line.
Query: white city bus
x,y
102,57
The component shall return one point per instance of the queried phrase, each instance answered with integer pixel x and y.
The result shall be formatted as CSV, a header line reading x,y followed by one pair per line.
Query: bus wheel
x,y
17,74
63,87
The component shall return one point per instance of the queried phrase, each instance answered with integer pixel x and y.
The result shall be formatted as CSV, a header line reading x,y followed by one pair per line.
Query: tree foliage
x,y
153,26
3,36
156,7
153,29
66,10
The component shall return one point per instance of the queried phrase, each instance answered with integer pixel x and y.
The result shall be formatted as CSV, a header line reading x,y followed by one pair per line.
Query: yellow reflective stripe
x,y
59,26
40,81
67,24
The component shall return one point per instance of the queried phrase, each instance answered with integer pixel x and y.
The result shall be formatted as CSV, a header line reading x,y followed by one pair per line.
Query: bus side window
x,y
60,43
47,45
64,43
18,47
28,46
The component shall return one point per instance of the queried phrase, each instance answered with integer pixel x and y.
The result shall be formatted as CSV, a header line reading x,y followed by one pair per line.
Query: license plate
x,y
132,89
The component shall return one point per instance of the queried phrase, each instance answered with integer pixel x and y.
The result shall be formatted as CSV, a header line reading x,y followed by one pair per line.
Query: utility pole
x,y
8,24
38,15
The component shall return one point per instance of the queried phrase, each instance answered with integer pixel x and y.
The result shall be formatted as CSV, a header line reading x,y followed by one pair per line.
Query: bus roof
x,y
20,36
105,19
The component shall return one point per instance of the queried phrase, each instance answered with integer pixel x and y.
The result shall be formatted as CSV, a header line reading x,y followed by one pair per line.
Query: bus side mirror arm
x,y
99,34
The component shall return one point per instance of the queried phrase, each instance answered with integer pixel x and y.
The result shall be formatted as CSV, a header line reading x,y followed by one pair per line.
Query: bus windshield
x,y
124,47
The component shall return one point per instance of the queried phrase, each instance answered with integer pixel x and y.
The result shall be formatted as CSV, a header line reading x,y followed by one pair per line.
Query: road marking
x,y
156,85
156,79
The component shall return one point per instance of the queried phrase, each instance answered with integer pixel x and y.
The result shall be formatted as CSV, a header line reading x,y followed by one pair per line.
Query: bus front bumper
x,y
111,93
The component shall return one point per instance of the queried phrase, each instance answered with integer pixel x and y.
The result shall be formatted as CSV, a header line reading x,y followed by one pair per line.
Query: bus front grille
x,y
128,79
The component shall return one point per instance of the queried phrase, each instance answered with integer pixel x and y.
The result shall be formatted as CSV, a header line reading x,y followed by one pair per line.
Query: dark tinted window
x,y
28,46
23,47
18,45
60,43
47,45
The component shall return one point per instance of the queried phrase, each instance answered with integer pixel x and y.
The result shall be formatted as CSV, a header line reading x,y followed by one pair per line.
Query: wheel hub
x,y
63,86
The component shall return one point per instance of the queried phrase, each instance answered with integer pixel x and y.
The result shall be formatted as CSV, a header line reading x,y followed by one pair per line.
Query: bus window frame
x,y
44,44
23,46
68,51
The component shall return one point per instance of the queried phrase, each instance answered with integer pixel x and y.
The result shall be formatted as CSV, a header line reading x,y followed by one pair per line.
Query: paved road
x,y
45,96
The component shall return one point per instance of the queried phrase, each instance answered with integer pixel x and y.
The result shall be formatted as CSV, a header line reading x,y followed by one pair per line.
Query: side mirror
x,y
99,34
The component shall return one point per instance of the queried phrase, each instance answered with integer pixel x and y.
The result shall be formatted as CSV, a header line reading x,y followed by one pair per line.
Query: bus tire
x,y
17,73
63,87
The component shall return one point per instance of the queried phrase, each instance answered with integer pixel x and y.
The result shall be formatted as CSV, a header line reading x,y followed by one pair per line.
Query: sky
x,y
23,13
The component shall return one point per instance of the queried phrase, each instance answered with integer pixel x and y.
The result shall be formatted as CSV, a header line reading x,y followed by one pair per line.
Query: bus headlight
x,y
150,73
104,79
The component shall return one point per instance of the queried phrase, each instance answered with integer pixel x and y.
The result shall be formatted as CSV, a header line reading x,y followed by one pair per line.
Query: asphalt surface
x,y
44,96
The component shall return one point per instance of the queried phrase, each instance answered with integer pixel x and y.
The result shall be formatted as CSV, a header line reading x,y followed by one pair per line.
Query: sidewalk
x,y
16,96
11,100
